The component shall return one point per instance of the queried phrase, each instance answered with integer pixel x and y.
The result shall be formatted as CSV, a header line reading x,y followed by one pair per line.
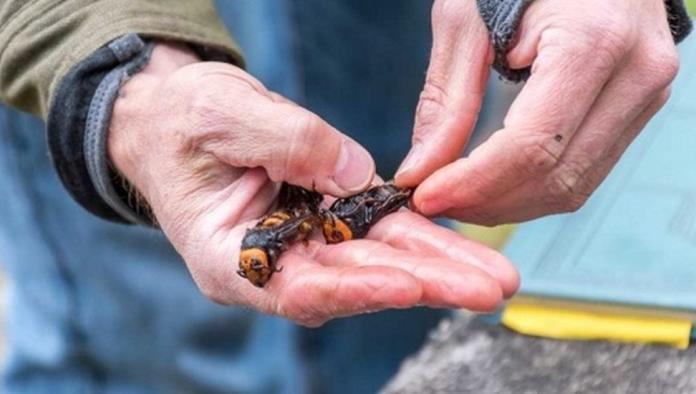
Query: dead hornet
x,y
351,217
294,220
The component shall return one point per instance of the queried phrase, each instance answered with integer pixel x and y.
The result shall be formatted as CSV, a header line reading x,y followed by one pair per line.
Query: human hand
x,y
600,71
206,145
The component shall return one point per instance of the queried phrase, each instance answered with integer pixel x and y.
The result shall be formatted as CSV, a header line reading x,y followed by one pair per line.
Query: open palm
x,y
208,146
406,260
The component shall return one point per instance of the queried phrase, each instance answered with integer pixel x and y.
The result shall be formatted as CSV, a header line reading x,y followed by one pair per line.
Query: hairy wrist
x,y
130,130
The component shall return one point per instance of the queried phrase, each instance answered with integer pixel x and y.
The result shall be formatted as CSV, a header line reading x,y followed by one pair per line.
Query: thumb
x,y
451,98
294,145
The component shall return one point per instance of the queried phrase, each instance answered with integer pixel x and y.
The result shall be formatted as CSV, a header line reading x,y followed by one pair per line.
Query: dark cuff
x,y
71,113
78,123
133,54
679,21
502,17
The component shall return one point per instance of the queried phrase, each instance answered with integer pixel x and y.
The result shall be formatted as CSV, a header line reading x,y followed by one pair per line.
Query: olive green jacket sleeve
x,y
41,40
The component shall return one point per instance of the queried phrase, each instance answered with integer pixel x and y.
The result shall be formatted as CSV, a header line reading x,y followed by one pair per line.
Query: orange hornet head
x,y
335,230
254,265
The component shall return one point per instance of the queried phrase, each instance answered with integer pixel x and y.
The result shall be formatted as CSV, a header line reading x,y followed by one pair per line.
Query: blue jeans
x,y
101,307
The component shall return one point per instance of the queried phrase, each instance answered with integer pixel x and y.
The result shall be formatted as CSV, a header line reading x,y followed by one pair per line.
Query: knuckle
x,y
660,66
664,96
447,10
539,154
608,26
306,130
306,123
606,49
573,203
567,190
560,187
599,43
431,109
613,35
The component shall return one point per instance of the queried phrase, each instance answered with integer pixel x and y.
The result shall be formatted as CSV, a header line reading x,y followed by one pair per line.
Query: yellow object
x,y
691,5
493,237
575,323
564,323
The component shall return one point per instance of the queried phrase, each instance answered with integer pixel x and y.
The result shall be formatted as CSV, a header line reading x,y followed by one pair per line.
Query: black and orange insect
x,y
298,215
351,217
294,220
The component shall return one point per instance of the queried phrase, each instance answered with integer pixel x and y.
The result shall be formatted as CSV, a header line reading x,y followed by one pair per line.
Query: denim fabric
x,y
101,307
363,66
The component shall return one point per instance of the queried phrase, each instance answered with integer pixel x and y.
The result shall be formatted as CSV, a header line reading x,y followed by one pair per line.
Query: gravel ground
x,y
466,356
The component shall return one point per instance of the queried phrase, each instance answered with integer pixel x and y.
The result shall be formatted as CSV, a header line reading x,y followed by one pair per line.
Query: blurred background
x,y
499,97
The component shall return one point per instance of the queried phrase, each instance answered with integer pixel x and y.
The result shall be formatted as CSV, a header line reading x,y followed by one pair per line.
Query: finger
x,y
451,98
304,291
567,77
445,283
247,126
632,92
406,230
305,150
632,132
317,293
533,200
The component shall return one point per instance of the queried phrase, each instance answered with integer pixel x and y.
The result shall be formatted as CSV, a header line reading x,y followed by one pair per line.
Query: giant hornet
x,y
351,217
297,216
293,221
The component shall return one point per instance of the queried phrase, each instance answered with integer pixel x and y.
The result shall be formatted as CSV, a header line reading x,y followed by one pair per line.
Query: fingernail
x,y
429,208
354,168
410,162
432,205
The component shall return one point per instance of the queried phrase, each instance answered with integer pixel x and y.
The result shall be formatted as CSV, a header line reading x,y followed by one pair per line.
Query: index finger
x,y
451,98
566,79
409,231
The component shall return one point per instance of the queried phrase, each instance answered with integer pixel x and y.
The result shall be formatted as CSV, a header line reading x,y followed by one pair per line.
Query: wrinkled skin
x,y
352,217
292,221
600,71
207,145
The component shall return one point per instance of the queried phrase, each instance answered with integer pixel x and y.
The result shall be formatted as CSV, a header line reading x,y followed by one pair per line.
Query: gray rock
x,y
464,355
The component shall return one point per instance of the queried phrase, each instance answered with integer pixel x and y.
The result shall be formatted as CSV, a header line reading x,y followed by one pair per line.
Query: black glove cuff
x,y
502,17
78,123
679,22
68,120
